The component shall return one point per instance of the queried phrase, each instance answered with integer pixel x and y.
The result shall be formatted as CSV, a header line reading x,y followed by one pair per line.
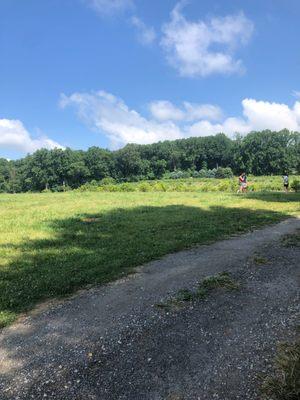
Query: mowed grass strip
x,y
54,244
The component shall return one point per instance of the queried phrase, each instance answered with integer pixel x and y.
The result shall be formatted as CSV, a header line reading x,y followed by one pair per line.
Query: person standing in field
x,y
242,183
286,183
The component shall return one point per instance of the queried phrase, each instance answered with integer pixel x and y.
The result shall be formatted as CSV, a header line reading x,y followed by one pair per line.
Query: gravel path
x,y
112,342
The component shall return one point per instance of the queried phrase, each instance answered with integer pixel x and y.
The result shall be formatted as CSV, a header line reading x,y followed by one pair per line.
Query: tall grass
x,y
229,185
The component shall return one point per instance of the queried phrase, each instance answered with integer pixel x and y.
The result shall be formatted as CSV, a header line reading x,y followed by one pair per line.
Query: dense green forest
x,y
258,153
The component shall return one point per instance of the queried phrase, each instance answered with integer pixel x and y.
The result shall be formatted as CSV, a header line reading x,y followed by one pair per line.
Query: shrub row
x,y
189,185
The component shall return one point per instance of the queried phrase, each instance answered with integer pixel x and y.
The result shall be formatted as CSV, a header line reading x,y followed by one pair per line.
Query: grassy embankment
x,y
54,243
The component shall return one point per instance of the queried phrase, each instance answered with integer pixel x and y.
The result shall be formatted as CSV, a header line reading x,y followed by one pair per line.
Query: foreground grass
x,y
53,244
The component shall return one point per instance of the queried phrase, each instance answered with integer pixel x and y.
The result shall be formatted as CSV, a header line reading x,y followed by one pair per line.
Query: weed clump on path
x,y
222,280
292,240
259,260
285,383
204,288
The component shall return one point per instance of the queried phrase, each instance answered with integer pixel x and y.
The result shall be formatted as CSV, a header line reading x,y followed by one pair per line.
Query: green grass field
x,y
54,243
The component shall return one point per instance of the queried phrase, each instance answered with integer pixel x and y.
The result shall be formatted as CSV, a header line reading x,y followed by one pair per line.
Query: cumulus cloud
x,y
109,115
199,111
201,48
164,110
106,113
257,115
109,7
145,34
276,116
14,136
229,126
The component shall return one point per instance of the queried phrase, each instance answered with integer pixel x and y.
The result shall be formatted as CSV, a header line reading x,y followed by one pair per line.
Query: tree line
x,y
258,153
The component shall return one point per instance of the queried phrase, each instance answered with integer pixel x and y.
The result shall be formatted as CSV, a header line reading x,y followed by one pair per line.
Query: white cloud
x,y
230,126
164,110
258,115
146,35
205,47
276,116
109,115
109,7
199,111
14,136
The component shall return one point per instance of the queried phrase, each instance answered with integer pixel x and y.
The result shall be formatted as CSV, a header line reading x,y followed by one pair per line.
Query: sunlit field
x,y
52,244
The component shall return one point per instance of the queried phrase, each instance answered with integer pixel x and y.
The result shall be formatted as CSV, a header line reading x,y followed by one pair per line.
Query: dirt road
x,y
113,342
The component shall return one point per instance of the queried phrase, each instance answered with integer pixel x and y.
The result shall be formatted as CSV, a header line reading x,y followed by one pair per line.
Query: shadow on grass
x,y
94,249
274,196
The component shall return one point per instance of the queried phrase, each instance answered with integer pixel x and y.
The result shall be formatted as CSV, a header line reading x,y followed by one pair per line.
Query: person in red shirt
x,y
242,183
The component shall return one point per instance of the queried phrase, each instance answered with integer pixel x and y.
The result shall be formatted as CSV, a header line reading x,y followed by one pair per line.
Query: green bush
x,y
126,187
179,174
296,185
159,187
202,173
207,173
144,187
107,181
111,188
60,188
92,186
223,173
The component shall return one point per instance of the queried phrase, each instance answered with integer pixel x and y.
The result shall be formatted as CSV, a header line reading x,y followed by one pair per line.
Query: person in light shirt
x,y
286,183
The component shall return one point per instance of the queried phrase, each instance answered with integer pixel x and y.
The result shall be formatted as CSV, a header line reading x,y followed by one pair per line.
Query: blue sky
x,y
79,73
